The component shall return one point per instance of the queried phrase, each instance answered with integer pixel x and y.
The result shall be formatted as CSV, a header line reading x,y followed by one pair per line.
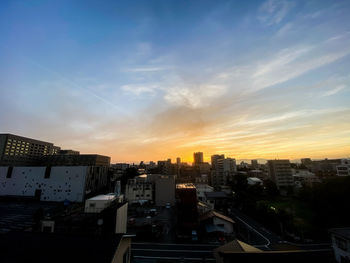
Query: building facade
x,y
17,150
197,158
139,190
58,183
280,172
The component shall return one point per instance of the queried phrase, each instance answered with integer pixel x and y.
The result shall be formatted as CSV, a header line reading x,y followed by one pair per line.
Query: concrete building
x,y
280,172
17,150
254,164
165,190
57,183
341,243
186,196
178,161
215,158
197,158
113,203
344,168
326,167
98,203
305,177
223,171
167,168
138,190
215,221
202,189
68,152
76,160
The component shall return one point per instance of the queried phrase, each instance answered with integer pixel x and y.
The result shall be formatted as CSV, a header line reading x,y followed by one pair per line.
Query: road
x,y
262,238
152,252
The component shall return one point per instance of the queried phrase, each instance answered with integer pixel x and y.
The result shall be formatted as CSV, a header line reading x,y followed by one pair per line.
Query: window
x,y
9,172
92,205
47,172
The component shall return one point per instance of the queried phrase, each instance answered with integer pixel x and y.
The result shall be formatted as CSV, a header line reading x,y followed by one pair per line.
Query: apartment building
x,y
280,172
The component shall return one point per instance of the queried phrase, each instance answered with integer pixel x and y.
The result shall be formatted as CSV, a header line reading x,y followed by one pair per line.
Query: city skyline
x,y
158,80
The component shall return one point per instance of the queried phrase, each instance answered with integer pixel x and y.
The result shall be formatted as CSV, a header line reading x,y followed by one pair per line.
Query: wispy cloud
x,y
273,11
333,91
140,89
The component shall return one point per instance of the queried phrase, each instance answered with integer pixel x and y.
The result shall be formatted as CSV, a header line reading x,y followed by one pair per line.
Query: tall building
x,y
223,170
280,172
17,150
215,158
178,161
197,158
254,164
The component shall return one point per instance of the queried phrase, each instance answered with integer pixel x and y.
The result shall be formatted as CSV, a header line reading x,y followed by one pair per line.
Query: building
x,y
167,168
341,243
204,168
216,200
214,160
197,158
280,172
325,168
178,161
202,189
98,203
216,222
165,190
186,196
306,162
344,168
75,160
68,152
223,171
139,190
56,183
118,210
254,164
17,150
305,177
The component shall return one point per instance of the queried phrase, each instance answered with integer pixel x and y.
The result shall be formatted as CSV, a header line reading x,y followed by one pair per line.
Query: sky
x,y
151,80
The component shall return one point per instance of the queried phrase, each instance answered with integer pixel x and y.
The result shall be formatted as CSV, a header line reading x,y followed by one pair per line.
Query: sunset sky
x,y
151,80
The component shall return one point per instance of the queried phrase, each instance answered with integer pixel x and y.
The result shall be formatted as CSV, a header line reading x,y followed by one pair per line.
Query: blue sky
x,y
147,80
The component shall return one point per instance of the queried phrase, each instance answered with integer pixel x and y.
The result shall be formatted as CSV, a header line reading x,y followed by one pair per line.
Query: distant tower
x,y
178,160
197,158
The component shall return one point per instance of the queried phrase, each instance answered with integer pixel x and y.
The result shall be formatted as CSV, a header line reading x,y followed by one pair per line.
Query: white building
x,y
139,190
344,168
341,243
302,176
254,181
202,189
280,172
216,219
57,183
98,203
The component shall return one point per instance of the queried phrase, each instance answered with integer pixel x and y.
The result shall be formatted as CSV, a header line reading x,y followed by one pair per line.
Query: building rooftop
x,y
185,186
103,197
343,232
213,195
216,214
